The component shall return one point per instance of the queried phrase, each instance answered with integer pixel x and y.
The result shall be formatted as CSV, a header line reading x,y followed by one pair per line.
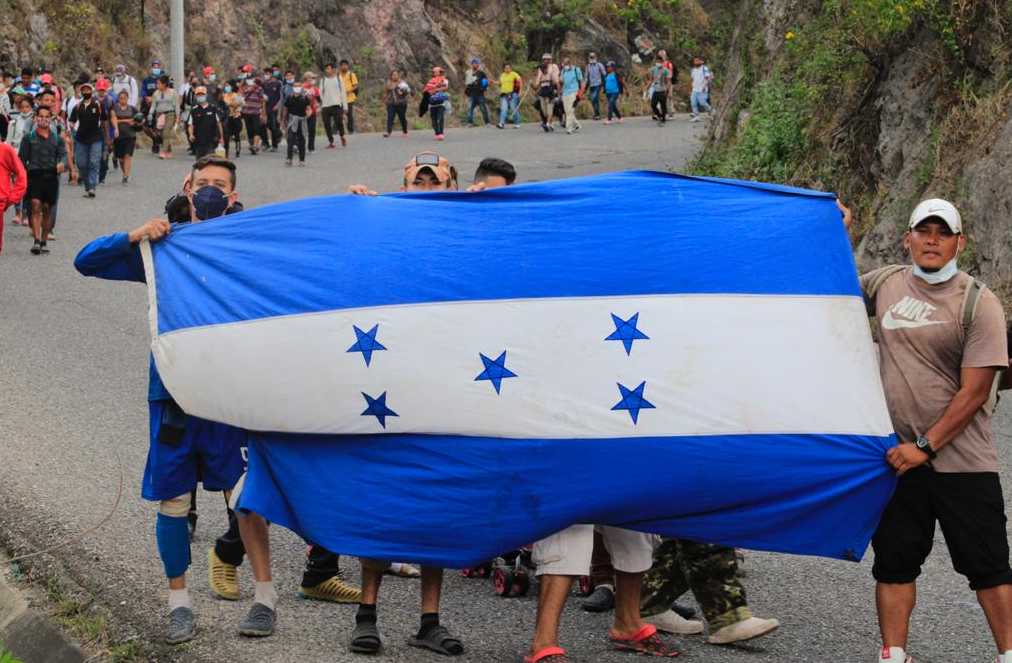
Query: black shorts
x,y
971,512
123,146
43,185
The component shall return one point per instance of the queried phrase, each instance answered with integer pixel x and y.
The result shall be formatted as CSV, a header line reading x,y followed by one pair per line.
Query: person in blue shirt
x,y
572,81
148,88
613,87
181,447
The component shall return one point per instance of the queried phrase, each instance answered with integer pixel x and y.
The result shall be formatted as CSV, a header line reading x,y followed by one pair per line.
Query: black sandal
x,y
365,639
440,641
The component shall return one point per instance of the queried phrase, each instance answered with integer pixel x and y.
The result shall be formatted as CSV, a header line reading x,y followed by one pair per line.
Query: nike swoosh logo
x,y
889,322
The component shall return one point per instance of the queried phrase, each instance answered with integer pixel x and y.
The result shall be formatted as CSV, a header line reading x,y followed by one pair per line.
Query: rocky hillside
x,y
884,101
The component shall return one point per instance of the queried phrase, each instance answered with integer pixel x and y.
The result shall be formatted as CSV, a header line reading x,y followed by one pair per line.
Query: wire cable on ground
x,y
77,537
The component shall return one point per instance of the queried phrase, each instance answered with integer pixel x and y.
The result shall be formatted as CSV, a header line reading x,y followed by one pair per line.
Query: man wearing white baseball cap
x,y
942,341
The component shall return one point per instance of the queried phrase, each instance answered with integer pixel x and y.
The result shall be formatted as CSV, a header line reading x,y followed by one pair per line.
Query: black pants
x,y
311,128
296,139
229,547
274,126
233,131
401,113
659,105
350,113
333,118
203,150
321,564
253,124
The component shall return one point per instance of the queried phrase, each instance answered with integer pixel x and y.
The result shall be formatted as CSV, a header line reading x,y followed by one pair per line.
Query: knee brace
x,y
173,536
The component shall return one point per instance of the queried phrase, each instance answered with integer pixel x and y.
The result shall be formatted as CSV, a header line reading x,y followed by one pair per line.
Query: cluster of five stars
x,y
495,370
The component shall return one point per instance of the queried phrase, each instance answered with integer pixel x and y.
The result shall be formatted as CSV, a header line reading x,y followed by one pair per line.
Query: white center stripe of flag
x,y
440,364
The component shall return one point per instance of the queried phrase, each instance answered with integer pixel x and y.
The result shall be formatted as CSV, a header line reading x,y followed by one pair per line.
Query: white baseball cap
x,y
942,209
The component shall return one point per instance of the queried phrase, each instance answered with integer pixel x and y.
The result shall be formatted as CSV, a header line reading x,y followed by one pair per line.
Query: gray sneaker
x,y
182,626
259,622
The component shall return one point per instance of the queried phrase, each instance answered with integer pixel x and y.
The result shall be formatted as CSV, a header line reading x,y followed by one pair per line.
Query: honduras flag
x,y
442,377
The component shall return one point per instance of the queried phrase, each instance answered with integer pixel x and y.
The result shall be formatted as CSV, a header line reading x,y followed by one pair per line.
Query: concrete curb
x,y
29,634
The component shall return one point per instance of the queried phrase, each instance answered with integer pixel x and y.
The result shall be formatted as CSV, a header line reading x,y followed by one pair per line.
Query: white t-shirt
x,y
332,92
699,78
68,107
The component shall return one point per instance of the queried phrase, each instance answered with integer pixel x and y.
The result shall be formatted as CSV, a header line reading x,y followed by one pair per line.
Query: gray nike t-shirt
x,y
922,348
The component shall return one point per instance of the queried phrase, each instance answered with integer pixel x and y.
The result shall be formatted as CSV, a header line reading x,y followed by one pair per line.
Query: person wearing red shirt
x,y
13,182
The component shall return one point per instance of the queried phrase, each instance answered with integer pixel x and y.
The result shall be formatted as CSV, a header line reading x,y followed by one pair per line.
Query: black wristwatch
x,y
924,444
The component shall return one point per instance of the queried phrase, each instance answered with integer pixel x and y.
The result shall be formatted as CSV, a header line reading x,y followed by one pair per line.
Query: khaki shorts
x,y
567,553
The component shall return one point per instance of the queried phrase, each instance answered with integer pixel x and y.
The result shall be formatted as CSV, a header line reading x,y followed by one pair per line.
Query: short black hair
x,y
330,64
27,71
276,66
164,79
492,166
345,61
268,70
45,91
214,160
44,108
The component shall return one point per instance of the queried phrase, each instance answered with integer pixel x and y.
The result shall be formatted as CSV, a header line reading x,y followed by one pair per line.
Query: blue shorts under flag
x,y
210,453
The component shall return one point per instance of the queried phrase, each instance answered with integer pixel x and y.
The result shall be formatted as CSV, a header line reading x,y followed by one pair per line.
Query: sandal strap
x,y
545,653
441,635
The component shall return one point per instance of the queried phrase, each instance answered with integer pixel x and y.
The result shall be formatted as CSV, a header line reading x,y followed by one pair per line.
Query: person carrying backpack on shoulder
x,y
475,84
942,341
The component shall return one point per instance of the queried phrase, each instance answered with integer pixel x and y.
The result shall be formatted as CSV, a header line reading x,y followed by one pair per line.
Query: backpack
x,y
967,310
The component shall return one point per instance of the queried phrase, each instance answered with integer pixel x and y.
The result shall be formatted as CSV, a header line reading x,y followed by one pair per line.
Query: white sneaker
x,y
746,629
672,622
894,655
694,118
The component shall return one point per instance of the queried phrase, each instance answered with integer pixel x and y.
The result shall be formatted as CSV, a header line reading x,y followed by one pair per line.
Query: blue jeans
x,y
700,99
436,113
508,106
88,157
595,99
613,105
476,101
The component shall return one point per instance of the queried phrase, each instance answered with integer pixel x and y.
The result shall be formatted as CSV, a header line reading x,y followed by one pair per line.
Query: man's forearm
x,y
957,416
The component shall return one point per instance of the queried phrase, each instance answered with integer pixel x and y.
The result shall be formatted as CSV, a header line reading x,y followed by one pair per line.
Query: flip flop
x,y
402,570
440,641
548,655
365,639
644,641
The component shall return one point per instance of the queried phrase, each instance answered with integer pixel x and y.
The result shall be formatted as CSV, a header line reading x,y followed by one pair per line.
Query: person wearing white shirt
x,y
334,100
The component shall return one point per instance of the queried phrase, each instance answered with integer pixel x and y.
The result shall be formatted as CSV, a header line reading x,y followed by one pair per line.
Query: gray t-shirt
x,y
659,76
923,350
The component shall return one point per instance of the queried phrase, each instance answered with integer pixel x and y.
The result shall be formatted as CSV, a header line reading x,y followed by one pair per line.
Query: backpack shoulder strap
x,y
871,291
968,308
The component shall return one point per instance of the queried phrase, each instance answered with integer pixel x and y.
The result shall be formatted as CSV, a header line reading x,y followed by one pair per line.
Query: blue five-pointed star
x,y
378,408
366,343
633,401
495,370
625,331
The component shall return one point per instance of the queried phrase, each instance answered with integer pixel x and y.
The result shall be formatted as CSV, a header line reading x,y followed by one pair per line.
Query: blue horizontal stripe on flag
x,y
455,501
634,233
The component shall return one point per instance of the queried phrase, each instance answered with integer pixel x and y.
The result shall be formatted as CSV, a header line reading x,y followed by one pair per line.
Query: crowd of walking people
x,y
947,462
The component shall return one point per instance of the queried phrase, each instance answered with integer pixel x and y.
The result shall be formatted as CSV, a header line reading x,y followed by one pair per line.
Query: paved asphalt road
x,y
73,373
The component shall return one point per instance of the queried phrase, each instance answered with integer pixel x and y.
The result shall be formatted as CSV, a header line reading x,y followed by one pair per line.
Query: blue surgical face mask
x,y
156,71
201,98
212,77
941,276
209,202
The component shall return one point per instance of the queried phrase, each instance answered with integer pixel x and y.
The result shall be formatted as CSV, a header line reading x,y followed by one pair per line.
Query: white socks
x,y
179,598
265,594
1006,657
892,655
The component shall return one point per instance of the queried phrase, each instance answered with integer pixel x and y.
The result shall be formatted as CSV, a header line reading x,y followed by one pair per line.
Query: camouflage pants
x,y
710,571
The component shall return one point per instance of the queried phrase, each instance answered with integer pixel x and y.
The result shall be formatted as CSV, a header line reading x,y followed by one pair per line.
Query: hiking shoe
x,y
671,622
746,629
602,600
259,623
333,589
36,249
91,193
222,576
182,626
43,249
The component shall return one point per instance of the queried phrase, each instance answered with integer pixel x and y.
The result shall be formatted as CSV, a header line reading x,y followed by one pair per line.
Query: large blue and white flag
x,y
442,377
